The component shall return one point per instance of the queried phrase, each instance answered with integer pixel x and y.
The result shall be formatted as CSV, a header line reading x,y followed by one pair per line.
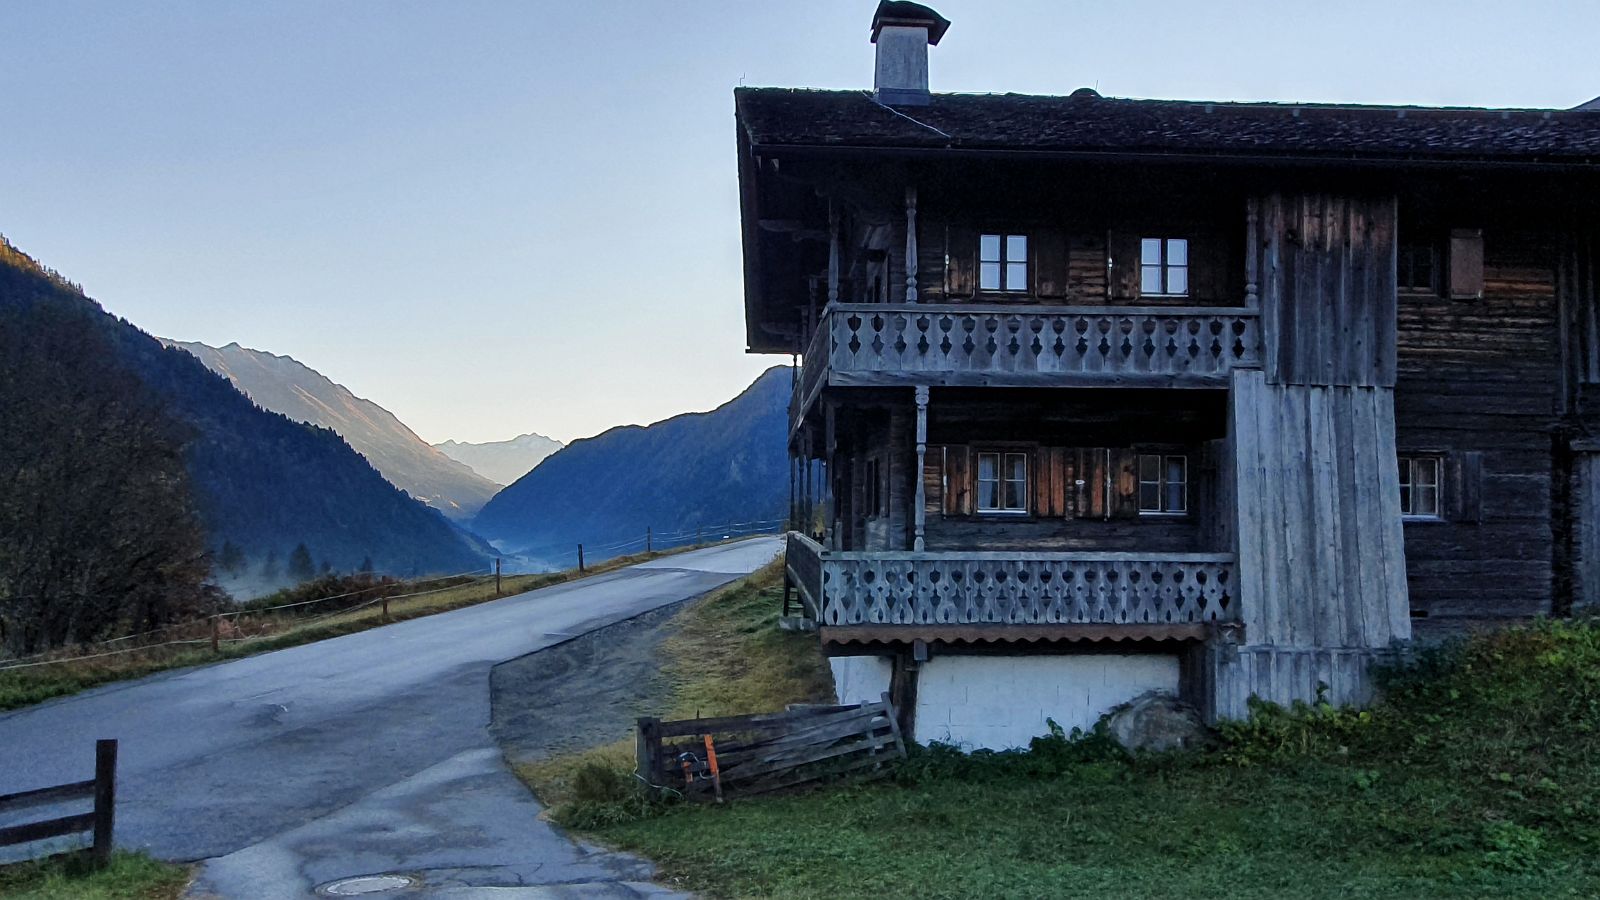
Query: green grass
x,y
25,687
726,657
130,876
1479,776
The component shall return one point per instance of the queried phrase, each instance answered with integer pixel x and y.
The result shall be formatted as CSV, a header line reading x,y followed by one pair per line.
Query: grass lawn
x,y
131,876
27,686
1478,777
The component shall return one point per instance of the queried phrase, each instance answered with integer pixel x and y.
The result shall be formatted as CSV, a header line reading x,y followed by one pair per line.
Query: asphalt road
x,y
362,754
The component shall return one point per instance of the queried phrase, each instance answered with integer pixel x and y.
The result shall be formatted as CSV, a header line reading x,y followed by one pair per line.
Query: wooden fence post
x,y
216,629
580,557
105,799
386,607
647,539
647,749
497,576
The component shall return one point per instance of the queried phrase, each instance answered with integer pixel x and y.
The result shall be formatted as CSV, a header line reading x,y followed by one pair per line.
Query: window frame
x,y
1163,483
1165,267
1405,264
1406,464
1004,261
1001,481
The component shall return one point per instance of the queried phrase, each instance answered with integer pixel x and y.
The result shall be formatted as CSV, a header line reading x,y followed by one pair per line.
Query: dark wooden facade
x,y
1379,379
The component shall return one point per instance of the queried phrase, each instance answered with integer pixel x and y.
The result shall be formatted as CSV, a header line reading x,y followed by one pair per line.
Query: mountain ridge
x,y
283,384
693,470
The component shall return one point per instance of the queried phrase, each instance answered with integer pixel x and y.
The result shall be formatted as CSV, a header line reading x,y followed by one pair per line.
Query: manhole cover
x,y
365,884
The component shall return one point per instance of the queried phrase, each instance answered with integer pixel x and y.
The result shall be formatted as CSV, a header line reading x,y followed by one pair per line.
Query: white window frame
x,y
1003,262
1162,483
1000,481
1164,267
1410,466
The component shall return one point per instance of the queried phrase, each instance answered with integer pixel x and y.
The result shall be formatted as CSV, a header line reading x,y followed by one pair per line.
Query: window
x,y
1418,268
1419,487
1003,262
1002,482
1164,267
1163,484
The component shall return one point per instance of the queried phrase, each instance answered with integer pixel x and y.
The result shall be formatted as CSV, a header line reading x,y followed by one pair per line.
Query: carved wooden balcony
x,y
1013,595
964,344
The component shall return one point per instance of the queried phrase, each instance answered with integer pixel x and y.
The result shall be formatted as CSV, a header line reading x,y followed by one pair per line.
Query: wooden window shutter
x,y
1122,281
957,481
960,261
1050,262
1124,484
1466,264
933,480
1092,495
1055,464
1463,487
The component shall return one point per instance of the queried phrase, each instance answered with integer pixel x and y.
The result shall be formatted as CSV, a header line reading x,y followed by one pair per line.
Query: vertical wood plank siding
x,y
1587,581
1328,296
1321,553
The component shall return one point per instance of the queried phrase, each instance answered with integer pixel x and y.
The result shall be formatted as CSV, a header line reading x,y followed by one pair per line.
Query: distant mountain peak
x,y
502,462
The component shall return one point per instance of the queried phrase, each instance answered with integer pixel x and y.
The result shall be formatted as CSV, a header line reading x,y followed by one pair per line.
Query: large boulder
x,y
1157,722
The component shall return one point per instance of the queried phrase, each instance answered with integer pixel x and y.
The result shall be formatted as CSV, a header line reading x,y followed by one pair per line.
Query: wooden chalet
x,y
1101,395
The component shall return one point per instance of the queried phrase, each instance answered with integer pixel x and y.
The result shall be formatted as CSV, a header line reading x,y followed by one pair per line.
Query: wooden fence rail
x,y
705,758
100,820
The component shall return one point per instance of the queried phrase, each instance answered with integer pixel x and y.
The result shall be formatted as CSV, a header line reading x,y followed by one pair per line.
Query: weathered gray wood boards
x,y
1587,564
1312,443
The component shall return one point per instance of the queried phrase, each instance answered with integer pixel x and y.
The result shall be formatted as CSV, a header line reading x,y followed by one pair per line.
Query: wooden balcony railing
x,y
1014,588
863,343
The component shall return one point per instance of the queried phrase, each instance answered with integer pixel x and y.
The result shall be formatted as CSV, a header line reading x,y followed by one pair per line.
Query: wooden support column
x,y
919,512
911,245
1252,255
833,254
829,445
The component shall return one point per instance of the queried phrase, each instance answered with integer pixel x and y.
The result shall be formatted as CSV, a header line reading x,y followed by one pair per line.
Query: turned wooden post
x,y
911,245
919,513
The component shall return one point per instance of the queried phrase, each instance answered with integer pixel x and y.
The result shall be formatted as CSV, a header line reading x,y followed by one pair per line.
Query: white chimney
x,y
903,32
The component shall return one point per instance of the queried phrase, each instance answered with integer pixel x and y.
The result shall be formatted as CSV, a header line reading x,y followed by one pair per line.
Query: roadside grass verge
x,y
27,686
130,876
1478,776
725,657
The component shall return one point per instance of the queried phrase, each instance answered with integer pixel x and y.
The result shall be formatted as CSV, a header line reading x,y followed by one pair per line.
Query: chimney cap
x,y
902,12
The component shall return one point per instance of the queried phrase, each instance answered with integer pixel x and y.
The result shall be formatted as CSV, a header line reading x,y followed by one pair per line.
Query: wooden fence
x,y
705,759
102,788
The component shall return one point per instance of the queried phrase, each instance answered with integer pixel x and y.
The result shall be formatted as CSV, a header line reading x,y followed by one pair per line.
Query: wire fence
x,y
270,621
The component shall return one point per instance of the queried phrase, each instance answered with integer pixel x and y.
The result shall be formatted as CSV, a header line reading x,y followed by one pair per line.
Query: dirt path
x,y
585,692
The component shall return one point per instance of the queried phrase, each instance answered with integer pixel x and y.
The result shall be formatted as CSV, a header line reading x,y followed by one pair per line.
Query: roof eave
x,y
1187,157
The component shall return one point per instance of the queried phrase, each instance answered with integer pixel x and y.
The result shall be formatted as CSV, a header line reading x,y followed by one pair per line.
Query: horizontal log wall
x,y
1480,377
1587,502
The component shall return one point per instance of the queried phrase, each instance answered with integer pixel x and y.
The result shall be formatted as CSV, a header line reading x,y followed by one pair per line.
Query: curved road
x,y
362,754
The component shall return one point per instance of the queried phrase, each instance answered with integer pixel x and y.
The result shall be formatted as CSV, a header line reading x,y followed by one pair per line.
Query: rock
x,y
1157,722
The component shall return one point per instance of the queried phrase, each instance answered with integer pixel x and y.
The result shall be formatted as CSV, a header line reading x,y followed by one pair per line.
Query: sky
x,y
494,218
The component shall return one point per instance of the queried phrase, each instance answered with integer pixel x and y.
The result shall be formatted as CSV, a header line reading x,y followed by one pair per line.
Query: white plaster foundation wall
x,y
860,679
998,702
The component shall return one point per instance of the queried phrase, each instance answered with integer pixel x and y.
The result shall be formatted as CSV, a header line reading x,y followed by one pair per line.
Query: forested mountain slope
x,y
260,482
691,471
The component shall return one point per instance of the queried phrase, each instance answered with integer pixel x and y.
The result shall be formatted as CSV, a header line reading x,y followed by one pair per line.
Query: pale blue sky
x,y
492,218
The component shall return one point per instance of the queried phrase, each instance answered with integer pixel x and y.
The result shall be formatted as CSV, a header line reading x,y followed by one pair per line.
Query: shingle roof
x,y
1086,122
